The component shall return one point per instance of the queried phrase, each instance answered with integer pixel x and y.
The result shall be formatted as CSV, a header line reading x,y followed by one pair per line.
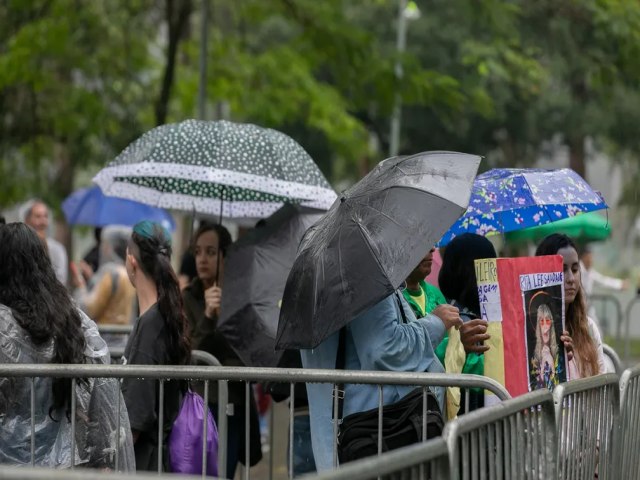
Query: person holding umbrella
x,y
202,300
342,306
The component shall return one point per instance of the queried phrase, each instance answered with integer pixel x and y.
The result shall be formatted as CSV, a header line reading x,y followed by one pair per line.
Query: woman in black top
x,y
159,337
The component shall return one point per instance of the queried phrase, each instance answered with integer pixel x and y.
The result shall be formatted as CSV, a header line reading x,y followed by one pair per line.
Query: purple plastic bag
x,y
185,439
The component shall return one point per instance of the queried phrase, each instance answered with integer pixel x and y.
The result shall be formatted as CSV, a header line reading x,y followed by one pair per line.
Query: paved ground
x,y
278,451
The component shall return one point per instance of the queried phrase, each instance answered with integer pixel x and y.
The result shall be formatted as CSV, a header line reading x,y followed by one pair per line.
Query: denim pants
x,y
303,461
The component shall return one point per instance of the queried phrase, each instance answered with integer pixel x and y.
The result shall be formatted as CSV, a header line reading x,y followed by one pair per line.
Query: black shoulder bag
x,y
402,421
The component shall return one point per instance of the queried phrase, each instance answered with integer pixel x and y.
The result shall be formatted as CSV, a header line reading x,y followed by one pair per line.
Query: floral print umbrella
x,y
509,199
232,169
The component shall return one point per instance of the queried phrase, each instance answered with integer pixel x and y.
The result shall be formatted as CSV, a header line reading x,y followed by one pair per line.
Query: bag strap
x,y
341,355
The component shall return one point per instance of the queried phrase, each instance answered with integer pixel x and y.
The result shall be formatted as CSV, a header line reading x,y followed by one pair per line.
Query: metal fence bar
x,y
244,374
13,473
247,429
474,453
160,423
402,463
224,410
205,421
629,433
627,338
73,423
586,448
109,328
292,396
33,422
605,299
614,357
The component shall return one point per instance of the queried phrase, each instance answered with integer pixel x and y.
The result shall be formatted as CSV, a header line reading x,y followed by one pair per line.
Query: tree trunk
x,y
177,15
577,156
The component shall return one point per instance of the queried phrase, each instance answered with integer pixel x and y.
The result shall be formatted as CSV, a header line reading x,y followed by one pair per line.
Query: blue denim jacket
x,y
377,339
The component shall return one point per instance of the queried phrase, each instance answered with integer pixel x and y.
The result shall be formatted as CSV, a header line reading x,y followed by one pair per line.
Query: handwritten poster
x,y
522,300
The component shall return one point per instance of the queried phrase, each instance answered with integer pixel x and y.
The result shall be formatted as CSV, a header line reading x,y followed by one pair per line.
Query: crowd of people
x,y
132,281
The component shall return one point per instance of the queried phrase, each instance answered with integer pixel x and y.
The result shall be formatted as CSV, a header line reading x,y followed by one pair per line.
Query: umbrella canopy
x,y
234,169
586,227
508,199
370,240
89,206
256,270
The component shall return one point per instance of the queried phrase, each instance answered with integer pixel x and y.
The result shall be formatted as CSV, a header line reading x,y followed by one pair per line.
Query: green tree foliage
x,y
80,79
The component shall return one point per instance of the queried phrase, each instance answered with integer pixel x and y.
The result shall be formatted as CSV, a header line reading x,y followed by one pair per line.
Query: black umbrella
x,y
370,240
256,270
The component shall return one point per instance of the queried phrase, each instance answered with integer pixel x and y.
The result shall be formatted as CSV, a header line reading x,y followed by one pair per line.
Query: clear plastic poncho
x,y
96,413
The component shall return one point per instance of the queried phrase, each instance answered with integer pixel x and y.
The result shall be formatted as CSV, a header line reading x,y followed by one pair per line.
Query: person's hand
x,y
473,335
212,300
449,315
85,270
76,279
568,344
625,284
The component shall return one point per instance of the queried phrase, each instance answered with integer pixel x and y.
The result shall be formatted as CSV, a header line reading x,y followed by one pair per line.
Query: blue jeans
x,y
303,461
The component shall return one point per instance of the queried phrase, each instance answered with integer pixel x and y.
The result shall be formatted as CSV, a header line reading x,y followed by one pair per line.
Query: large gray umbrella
x,y
218,168
370,240
256,270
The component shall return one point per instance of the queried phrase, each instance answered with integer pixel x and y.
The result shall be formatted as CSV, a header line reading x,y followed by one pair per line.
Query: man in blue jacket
x,y
377,339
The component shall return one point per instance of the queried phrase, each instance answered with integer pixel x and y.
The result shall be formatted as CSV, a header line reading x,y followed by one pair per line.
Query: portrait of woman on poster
x,y
545,358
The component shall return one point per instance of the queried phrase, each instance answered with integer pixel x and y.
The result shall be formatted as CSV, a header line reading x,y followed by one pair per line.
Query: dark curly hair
x,y
39,302
150,244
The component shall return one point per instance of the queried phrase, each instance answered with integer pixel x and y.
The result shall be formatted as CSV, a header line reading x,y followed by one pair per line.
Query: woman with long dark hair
x,y
588,357
457,280
202,299
40,324
159,337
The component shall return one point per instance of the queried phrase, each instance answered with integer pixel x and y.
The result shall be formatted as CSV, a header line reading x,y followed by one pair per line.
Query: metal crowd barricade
x,y
247,375
515,439
612,355
628,445
201,357
604,300
587,415
114,329
13,473
428,460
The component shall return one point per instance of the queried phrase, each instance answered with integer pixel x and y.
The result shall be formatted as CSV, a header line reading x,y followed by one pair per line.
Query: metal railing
x,y
613,356
114,329
629,432
13,473
421,461
515,439
604,300
223,375
587,415
200,357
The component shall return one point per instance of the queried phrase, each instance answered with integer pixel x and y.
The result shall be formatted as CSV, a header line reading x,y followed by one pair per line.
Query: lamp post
x,y
407,10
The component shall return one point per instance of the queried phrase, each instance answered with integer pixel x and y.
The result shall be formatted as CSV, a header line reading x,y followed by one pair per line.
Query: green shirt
x,y
474,363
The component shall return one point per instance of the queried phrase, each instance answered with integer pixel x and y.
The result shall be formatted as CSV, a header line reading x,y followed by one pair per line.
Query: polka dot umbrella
x,y
235,170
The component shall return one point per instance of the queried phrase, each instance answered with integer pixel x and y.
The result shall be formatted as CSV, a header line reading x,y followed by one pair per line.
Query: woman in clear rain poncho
x,y
40,324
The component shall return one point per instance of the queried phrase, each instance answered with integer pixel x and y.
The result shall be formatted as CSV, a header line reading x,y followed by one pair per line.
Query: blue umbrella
x,y
89,206
509,199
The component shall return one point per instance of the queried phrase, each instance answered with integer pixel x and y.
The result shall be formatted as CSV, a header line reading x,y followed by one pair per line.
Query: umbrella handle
x,y
219,223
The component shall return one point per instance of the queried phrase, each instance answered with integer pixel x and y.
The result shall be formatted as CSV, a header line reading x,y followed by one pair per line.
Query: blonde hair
x,y
545,312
